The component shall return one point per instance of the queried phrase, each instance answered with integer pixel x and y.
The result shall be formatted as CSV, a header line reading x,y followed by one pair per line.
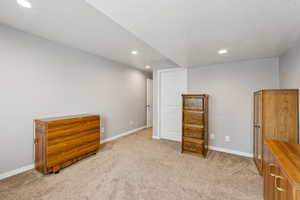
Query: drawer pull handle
x,y
272,165
276,184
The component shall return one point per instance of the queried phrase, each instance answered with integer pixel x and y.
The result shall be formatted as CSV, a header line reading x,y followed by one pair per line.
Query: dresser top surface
x,y
288,156
66,117
277,90
195,95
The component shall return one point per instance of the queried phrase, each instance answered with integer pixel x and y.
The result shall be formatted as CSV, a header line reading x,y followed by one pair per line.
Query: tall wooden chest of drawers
x,y
61,141
195,123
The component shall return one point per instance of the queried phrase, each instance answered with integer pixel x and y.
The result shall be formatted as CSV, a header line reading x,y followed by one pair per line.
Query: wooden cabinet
x,y
195,123
281,170
275,117
61,141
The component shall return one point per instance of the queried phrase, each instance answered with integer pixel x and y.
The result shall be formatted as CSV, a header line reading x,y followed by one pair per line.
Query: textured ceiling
x,y
75,23
166,32
191,32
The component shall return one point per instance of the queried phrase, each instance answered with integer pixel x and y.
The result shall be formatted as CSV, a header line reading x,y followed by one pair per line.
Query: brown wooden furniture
x,y
61,141
275,117
195,123
281,171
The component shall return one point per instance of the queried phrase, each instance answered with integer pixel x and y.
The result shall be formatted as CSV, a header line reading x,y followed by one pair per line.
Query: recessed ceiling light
x,y
222,51
134,52
147,66
24,3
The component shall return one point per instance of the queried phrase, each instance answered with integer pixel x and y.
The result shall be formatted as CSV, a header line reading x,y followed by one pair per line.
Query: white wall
x,y
289,68
40,78
231,88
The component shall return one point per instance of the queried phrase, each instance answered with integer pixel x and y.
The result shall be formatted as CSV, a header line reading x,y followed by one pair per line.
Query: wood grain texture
x,y
195,123
64,140
281,171
194,131
275,117
280,115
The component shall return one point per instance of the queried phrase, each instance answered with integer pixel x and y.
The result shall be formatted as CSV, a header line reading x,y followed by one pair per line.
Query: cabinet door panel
x,y
281,115
258,141
297,194
283,188
271,170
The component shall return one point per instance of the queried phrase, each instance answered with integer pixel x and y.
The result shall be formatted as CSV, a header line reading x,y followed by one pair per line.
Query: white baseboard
x,y
249,155
231,151
29,167
155,137
123,134
16,171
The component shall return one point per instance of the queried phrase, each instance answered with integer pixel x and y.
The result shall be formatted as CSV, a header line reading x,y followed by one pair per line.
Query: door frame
x,y
159,106
147,107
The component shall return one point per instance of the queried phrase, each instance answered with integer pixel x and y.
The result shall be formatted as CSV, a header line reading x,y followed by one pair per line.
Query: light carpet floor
x,y
136,167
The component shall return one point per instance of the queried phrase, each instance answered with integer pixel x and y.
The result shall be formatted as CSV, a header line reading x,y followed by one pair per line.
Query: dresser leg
x,y
57,172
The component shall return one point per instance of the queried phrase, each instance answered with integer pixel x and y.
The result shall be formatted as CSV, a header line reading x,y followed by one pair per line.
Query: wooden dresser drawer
x,y
193,117
193,103
194,145
193,131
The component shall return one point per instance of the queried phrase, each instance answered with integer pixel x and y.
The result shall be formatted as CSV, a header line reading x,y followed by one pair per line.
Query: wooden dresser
x,y
281,171
275,117
195,123
61,141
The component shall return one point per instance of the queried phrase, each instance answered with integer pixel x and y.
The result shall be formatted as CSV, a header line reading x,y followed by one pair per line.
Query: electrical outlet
x,y
212,136
227,138
102,129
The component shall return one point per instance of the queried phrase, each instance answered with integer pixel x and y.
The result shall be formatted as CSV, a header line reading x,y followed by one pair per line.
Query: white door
x,y
173,83
149,102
